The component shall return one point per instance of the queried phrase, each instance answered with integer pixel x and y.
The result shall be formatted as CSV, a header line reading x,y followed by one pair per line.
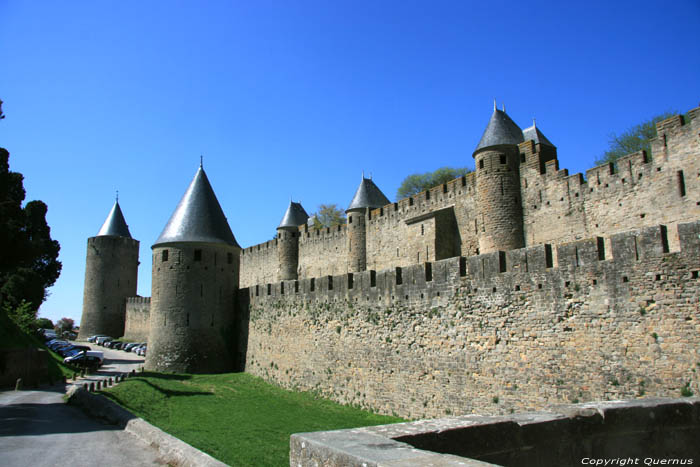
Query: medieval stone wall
x,y
137,322
600,318
639,190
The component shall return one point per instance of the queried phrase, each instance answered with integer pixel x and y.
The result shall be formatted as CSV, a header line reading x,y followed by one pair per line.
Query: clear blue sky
x,y
295,98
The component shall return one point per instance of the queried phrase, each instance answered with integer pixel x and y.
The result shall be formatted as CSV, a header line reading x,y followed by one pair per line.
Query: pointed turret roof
x,y
294,217
500,130
198,217
368,195
115,225
534,133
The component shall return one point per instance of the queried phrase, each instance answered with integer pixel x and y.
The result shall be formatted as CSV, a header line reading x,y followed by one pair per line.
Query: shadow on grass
x,y
146,375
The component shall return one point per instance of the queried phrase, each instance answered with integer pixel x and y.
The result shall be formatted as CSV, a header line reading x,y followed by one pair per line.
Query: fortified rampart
x,y
451,219
595,319
138,317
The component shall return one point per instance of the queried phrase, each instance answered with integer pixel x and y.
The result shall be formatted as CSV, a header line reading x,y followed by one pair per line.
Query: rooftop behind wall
x,y
653,429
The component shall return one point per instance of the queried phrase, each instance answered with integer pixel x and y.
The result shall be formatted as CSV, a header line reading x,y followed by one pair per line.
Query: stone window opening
x,y
198,255
503,159
269,289
281,288
349,219
229,258
422,229
313,284
481,163
681,183
164,256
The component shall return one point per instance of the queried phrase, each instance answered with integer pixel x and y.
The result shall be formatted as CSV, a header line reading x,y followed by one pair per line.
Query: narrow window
x,y
198,255
681,183
481,163
313,284
229,258
503,159
349,219
422,229
164,255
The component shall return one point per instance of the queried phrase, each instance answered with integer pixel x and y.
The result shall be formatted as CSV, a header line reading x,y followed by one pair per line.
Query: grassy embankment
x,y
12,337
236,417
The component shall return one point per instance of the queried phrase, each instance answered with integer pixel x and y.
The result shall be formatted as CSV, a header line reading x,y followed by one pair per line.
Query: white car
x,y
95,356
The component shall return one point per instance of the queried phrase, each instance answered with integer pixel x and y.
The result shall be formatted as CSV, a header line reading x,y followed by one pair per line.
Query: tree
x,y
328,215
416,183
634,139
64,325
28,257
44,323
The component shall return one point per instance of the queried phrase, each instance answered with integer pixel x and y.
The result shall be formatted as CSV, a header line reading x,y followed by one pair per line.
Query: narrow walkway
x,y
38,429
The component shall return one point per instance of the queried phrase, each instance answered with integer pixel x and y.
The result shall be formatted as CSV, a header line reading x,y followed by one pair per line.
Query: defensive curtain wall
x,y
600,300
639,190
595,319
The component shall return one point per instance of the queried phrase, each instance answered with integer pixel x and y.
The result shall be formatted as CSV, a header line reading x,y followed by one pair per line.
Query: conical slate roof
x,y
534,133
198,217
115,225
368,195
294,217
500,130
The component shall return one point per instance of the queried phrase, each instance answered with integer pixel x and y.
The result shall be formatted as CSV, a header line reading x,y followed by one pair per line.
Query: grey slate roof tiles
x,y
294,217
500,130
534,133
198,217
368,195
115,225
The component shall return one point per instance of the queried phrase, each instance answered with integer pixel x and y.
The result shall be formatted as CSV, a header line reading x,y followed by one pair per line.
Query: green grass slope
x,y
236,417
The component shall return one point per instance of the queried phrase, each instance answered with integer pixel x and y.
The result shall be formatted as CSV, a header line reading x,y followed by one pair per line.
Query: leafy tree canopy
x,y
419,182
64,325
28,257
44,323
328,215
634,139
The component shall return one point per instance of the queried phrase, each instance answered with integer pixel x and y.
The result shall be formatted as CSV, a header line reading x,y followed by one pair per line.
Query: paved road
x,y
37,429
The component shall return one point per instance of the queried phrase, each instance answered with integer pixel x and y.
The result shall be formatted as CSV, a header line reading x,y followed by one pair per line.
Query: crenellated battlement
x,y
453,219
428,280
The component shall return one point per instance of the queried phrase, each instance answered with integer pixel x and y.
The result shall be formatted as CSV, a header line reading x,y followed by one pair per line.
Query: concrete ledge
x,y
563,435
172,450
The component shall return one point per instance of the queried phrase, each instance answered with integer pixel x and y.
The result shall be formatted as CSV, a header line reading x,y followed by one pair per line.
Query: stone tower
x,y
111,271
196,263
367,197
497,161
288,240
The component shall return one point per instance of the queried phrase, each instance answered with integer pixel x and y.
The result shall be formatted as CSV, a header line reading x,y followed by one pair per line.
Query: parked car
x,y
131,346
71,348
89,357
94,338
102,339
141,350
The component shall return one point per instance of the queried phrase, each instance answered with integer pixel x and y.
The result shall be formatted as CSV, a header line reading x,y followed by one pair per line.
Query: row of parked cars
x,y
76,354
139,348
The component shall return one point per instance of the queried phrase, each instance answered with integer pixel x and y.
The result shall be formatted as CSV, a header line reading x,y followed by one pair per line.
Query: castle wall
x,y
323,251
259,264
639,190
593,319
137,323
111,269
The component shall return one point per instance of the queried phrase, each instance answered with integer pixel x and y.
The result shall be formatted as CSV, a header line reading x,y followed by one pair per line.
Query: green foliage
x,y
23,315
634,139
686,391
28,257
328,215
236,417
419,182
44,323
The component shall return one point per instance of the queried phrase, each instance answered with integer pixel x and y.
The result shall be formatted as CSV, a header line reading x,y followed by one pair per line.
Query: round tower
x,y
497,161
196,263
367,197
288,241
111,271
